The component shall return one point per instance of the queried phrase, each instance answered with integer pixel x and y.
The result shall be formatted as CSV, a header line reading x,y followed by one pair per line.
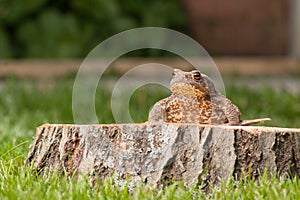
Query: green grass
x,y
24,106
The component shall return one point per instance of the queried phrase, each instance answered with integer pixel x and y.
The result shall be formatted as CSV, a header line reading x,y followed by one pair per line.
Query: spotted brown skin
x,y
194,99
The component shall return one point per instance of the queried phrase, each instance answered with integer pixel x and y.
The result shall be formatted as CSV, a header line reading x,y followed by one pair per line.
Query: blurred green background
x,y
61,28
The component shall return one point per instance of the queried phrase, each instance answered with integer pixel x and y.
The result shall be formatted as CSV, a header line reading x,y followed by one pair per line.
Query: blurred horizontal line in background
x,y
48,69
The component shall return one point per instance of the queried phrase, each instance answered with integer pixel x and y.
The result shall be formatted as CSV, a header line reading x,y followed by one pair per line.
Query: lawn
x,y
24,105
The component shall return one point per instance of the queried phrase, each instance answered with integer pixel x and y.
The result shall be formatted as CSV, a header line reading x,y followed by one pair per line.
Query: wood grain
x,y
163,153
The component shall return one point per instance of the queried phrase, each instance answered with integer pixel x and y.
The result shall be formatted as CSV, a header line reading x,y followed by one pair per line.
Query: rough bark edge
x,y
284,147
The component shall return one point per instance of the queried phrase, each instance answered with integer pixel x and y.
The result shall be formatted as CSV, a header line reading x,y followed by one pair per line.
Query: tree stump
x,y
162,153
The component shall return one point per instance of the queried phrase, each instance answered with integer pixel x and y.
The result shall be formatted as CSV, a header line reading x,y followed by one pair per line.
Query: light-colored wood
x,y
254,121
161,153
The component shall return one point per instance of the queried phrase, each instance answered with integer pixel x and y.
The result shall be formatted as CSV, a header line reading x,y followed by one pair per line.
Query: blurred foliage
x,y
61,28
5,48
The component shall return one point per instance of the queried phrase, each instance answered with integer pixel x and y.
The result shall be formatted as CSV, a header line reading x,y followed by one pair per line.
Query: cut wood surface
x,y
161,153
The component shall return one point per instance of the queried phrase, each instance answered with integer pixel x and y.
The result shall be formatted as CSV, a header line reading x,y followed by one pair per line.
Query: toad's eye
x,y
196,75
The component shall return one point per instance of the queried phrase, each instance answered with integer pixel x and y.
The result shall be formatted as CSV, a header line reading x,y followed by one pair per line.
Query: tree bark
x,y
163,153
